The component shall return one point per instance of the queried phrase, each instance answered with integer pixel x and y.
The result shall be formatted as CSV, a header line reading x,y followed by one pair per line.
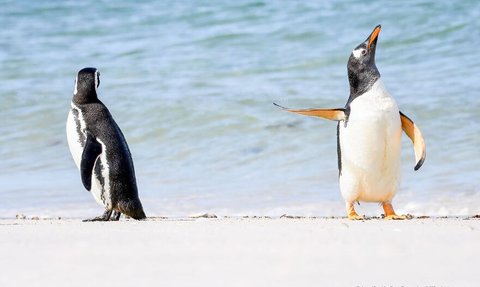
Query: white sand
x,y
240,252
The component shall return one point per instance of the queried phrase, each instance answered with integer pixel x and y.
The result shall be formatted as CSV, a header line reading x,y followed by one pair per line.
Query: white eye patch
x,y
96,80
357,53
75,91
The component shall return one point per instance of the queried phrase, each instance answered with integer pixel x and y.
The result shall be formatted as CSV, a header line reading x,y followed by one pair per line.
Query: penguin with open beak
x,y
369,133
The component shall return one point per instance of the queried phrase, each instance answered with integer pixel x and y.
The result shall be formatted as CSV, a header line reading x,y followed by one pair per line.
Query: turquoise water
x,y
192,86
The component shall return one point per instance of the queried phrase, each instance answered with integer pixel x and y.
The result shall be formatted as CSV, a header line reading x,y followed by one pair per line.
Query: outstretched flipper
x,y
329,114
414,133
91,152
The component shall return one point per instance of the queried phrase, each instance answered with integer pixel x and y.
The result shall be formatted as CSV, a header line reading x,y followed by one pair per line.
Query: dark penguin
x,y
369,134
100,151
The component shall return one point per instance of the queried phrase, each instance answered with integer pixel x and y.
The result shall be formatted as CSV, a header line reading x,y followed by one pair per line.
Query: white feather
x,y
76,147
74,142
75,91
106,200
96,80
358,52
370,147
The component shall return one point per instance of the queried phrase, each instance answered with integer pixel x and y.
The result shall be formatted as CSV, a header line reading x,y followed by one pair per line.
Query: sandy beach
x,y
240,252
191,85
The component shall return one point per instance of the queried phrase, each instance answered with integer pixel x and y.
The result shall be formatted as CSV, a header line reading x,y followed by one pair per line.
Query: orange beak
x,y
374,35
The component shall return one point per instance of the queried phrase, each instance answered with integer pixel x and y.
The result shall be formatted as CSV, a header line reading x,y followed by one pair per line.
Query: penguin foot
x,y
351,213
104,217
390,213
356,217
395,217
115,216
398,217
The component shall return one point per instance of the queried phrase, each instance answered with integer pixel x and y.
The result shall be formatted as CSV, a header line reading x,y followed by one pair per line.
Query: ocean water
x,y
192,85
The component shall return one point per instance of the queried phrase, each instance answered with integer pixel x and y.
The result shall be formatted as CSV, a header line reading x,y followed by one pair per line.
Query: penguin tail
x,y
132,208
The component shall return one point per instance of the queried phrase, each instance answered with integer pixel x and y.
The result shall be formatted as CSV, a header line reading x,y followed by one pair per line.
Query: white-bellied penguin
x,y
100,151
369,133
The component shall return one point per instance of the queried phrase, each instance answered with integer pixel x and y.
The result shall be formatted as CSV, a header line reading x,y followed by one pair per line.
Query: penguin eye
x,y
364,52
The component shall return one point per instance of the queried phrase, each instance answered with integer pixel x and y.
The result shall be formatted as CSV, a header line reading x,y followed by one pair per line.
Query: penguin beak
x,y
372,39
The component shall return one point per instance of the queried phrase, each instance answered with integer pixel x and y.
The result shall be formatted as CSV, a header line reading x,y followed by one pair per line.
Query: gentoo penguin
x,y
100,151
369,135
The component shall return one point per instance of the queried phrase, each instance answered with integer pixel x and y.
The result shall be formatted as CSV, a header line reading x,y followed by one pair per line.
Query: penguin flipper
x,y
414,133
329,114
90,154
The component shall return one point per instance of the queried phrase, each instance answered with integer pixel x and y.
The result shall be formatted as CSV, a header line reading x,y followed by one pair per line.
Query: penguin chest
x,y
76,137
370,148
76,134
101,189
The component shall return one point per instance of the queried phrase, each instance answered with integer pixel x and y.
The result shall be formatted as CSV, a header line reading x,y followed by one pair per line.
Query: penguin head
x,y
86,84
361,64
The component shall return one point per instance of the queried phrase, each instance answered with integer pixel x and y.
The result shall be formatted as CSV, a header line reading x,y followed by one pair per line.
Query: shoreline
x,y
22,217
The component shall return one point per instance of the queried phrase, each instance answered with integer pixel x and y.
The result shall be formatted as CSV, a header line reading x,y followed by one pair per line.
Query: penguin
x,y
369,133
100,151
